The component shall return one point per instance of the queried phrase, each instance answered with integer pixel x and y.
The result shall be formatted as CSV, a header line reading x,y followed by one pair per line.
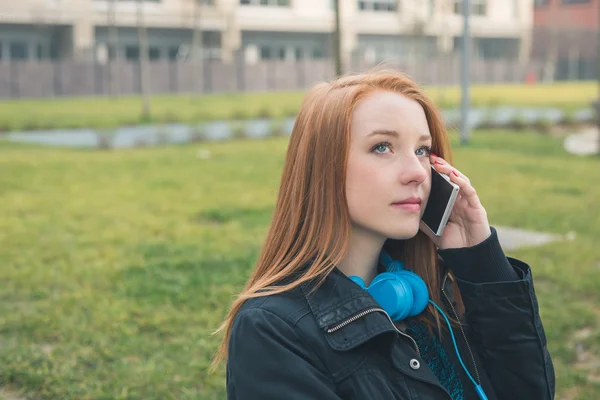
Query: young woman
x,y
356,180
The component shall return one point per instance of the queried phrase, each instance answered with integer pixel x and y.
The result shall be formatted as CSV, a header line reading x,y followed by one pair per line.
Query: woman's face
x,y
388,164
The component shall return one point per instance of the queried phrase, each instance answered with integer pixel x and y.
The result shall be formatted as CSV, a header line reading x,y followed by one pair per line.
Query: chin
x,y
405,233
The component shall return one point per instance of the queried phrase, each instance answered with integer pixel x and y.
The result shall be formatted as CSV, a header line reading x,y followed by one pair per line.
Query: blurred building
x,y
565,38
254,30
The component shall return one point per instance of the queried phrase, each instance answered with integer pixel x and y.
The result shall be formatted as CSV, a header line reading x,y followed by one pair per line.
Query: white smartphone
x,y
441,200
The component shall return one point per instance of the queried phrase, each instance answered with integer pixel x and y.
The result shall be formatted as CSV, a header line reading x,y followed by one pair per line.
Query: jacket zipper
x,y
369,311
461,330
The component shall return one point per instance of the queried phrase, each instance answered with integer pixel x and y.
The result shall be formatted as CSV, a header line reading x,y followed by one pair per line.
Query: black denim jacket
x,y
331,344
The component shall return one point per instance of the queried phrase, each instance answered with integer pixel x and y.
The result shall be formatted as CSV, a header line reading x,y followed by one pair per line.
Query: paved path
x,y
583,143
513,238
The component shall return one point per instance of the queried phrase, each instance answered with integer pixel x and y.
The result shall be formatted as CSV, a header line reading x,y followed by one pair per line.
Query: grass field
x,y
105,112
117,266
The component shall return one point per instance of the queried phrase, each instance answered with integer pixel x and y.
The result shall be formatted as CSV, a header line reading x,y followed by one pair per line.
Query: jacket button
x,y
415,364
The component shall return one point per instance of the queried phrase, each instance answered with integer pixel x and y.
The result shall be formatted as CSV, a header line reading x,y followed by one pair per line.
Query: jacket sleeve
x,y
504,321
268,360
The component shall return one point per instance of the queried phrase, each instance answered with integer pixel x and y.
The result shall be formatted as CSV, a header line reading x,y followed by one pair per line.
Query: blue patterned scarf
x,y
436,358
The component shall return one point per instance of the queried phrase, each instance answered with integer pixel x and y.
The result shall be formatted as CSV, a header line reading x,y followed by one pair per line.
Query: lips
x,y
411,200
412,205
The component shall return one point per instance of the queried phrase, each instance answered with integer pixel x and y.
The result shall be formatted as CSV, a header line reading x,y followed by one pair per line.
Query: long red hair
x,y
310,222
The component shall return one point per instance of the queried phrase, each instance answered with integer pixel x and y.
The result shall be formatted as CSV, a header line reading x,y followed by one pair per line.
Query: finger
x,y
463,176
467,191
442,166
463,182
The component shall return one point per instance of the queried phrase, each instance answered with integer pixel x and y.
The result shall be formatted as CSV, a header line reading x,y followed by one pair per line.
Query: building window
x,y
39,51
267,3
154,53
132,1
478,7
539,3
54,52
574,1
173,53
265,53
378,5
317,53
281,54
45,51
299,53
132,53
18,51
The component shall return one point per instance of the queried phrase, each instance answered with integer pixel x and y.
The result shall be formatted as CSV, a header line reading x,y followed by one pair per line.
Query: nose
x,y
413,170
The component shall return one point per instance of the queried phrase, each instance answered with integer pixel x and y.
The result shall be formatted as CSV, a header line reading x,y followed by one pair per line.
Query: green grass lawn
x,y
106,112
117,266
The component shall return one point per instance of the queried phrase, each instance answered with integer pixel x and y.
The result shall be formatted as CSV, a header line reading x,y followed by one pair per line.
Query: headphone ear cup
x,y
405,300
393,294
358,280
419,291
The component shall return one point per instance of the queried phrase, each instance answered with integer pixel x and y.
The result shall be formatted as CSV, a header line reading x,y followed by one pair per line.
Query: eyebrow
x,y
392,133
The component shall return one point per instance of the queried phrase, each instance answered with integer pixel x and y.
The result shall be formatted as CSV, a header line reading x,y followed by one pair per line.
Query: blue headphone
x,y
402,294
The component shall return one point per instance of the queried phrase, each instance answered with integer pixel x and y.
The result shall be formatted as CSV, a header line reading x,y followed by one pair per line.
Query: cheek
x,y
361,175
426,186
361,184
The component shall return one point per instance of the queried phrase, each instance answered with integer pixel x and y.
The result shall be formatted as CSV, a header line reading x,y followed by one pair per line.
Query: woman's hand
x,y
468,224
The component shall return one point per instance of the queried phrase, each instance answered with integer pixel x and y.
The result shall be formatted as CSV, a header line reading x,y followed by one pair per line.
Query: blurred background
x,y
92,47
142,142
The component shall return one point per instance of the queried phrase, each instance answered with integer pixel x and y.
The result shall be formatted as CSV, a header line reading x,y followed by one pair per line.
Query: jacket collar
x,y
338,299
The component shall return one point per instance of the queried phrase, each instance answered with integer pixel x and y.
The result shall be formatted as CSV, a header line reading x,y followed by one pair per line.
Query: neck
x,y
362,257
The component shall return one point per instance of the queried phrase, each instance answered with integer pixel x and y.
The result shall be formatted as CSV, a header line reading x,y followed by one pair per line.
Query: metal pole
x,y
465,74
197,48
143,60
598,77
337,46
112,47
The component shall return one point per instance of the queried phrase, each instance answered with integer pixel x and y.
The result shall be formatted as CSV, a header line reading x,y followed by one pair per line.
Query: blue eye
x,y
424,151
379,148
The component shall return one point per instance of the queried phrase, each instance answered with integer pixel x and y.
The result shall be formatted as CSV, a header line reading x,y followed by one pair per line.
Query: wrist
x,y
484,262
469,238
479,235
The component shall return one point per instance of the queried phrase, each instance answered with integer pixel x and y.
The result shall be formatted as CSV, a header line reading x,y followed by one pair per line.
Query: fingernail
x,y
438,162
454,172
435,155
